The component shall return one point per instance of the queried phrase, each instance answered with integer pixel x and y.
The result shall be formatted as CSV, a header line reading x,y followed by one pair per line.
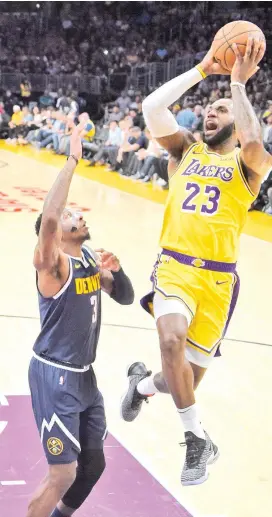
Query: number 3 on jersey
x,y
94,307
213,197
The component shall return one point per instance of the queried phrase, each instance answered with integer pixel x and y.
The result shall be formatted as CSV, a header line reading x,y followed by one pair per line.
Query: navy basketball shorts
x,y
68,409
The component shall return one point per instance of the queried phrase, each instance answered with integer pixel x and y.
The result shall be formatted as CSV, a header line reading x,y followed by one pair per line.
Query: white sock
x,y
146,386
190,420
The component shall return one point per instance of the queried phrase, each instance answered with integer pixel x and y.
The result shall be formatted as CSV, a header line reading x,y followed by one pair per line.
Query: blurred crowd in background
x,y
105,38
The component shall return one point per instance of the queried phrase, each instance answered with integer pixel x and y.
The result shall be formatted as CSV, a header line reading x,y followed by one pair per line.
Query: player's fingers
x,y
261,52
255,49
105,256
106,265
99,250
237,52
249,48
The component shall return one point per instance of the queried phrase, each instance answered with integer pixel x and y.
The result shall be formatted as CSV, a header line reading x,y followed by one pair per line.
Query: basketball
x,y
233,32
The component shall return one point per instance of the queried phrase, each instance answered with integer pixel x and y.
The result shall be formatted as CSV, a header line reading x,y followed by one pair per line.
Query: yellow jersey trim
x,y
205,149
183,158
240,169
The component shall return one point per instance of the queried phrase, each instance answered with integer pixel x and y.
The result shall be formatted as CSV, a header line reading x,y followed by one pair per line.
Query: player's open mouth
x,y
211,125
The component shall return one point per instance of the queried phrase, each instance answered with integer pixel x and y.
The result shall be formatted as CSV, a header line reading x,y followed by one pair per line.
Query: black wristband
x,y
122,290
72,156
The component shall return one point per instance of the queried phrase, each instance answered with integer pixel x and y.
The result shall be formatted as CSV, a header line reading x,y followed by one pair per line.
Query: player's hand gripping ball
x,y
230,39
237,33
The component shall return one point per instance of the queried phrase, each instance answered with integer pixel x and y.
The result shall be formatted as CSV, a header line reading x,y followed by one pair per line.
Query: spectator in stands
x,y
9,101
64,140
109,151
26,115
186,117
268,206
175,109
62,101
123,101
4,120
25,88
116,114
267,134
88,133
198,124
137,117
148,159
15,124
45,100
134,140
51,137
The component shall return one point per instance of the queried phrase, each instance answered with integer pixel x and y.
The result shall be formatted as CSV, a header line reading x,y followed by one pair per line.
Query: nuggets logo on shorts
x,y
55,446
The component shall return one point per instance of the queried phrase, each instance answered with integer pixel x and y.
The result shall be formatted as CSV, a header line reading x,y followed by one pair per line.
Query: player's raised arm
x,y
159,119
253,154
48,249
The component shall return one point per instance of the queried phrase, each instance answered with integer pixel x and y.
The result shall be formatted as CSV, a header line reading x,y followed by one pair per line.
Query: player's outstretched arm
x,y
253,154
114,281
48,249
159,119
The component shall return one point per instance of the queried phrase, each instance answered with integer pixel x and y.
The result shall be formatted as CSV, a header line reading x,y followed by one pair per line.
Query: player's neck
x,y
224,148
72,248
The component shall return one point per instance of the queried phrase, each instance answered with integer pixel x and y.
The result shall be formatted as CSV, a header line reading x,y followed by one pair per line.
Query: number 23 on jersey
x,y
209,207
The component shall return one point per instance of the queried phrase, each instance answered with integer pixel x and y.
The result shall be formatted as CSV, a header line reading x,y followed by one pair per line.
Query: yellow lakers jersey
x,y
207,205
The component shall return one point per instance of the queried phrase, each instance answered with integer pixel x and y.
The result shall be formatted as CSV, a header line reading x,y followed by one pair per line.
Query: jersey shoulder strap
x,y
90,254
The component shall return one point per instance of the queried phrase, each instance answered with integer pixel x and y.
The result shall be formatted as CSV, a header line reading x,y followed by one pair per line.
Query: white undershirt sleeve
x,y
159,120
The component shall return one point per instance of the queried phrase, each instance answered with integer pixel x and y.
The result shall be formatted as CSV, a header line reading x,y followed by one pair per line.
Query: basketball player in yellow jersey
x,y
211,188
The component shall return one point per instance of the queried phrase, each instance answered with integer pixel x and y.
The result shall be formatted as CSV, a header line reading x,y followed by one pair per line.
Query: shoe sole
x,y
198,481
124,396
212,459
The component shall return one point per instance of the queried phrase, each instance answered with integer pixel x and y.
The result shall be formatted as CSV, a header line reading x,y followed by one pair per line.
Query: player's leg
x,y
52,489
91,465
57,418
172,317
91,461
156,383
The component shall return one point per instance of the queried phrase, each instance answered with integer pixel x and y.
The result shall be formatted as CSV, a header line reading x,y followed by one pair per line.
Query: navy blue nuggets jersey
x,y
71,320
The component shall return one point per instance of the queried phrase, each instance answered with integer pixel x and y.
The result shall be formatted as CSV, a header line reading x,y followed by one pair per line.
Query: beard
x,y
81,238
224,134
87,237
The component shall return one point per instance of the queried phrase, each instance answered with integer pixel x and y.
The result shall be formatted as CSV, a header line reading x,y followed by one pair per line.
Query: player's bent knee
x,y
90,468
172,343
62,476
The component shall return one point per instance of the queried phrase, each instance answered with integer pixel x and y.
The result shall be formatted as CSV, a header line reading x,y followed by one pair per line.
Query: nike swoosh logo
x,y
219,283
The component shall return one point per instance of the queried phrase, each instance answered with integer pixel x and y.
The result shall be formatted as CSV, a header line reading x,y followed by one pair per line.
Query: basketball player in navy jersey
x,y
67,405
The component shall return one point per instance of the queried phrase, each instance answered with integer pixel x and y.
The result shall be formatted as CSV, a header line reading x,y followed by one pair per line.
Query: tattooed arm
x,y
253,155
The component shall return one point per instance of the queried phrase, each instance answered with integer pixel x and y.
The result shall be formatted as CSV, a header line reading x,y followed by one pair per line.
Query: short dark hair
x,y
38,224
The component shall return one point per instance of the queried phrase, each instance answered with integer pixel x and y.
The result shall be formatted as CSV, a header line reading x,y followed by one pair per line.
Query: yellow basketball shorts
x,y
209,296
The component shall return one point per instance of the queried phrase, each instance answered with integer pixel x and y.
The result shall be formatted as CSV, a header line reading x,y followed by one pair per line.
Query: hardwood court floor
x,y
235,396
